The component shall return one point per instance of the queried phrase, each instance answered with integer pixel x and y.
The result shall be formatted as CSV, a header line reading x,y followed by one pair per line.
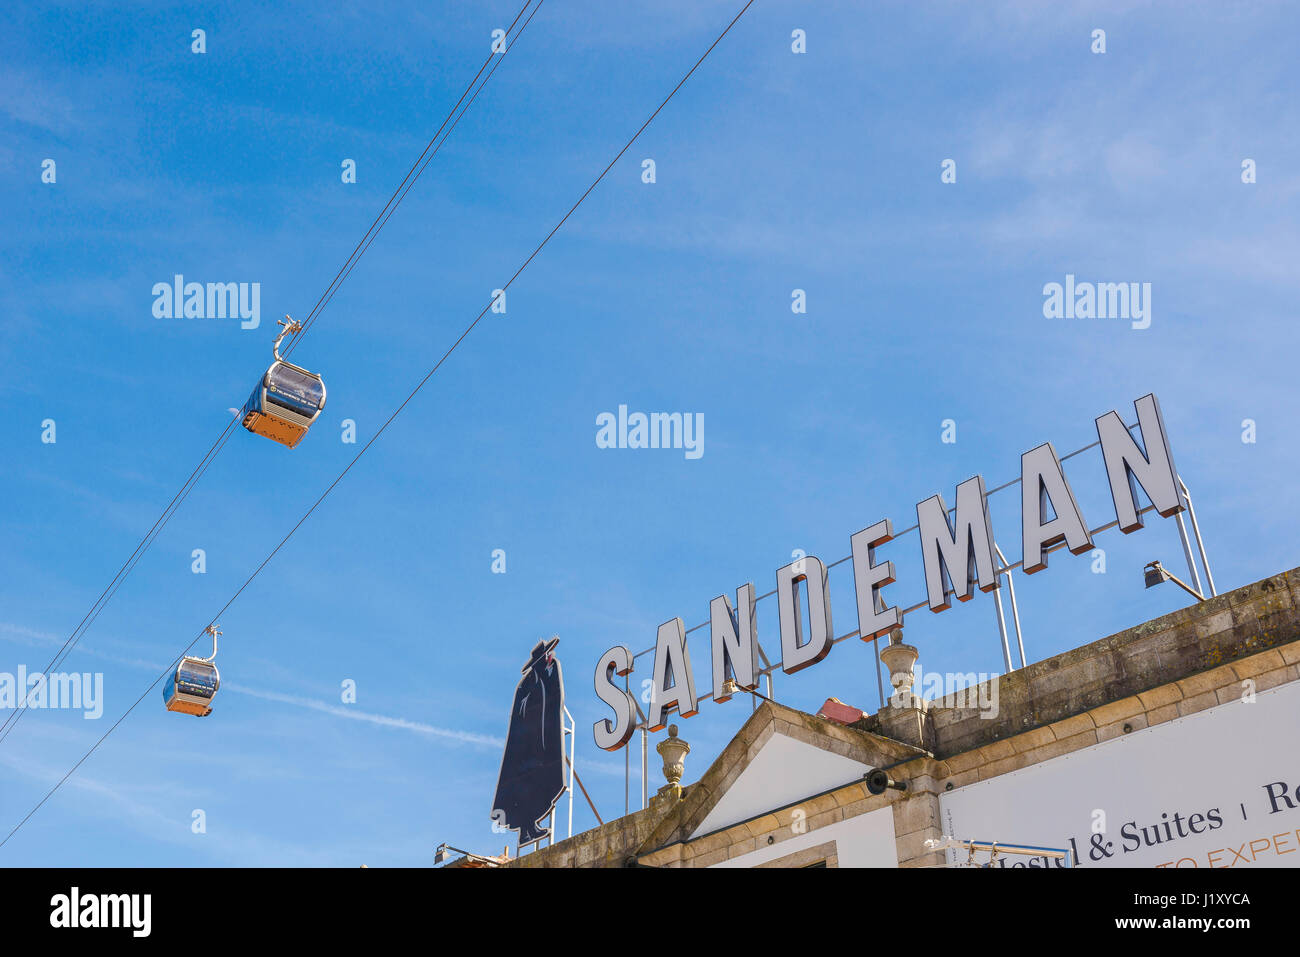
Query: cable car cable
x,y
349,267
351,260
370,233
143,545
290,398
127,567
91,616
380,431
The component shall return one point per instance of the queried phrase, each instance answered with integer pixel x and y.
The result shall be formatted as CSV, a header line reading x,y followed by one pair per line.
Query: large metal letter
x,y
875,620
1043,484
735,641
611,736
672,660
794,655
970,547
1127,466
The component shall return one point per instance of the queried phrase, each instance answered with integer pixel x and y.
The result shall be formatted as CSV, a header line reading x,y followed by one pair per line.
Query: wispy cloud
x,y
30,637
419,727
25,99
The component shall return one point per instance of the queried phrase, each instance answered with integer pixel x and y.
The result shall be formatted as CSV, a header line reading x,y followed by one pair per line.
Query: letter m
x,y
65,690
1116,299
961,552
665,430
222,303
119,907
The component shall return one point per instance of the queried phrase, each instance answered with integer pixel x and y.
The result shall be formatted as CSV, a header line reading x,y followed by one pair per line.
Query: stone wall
x,y
610,845
1183,654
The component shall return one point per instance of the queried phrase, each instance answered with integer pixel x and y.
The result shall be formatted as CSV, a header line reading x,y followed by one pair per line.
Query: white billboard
x,y
1220,788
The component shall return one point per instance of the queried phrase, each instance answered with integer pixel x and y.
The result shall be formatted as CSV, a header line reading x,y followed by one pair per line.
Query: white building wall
x,y
863,841
1222,763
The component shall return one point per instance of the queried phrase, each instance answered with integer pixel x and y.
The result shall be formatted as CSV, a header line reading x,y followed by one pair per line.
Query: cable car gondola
x,y
191,689
287,400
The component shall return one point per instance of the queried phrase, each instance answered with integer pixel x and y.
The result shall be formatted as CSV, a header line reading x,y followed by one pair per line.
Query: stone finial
x,y
673,750
900,659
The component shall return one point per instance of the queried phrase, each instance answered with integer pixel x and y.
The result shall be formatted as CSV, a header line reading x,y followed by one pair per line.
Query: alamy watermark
x,y
58,691
656,430
131,912
1102,300
977,691
179,299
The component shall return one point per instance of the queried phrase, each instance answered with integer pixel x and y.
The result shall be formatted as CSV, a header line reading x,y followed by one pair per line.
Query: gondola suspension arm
x,y
215,631
291,326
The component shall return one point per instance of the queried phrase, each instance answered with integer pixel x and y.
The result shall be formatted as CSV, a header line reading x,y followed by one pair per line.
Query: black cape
x,y
532,767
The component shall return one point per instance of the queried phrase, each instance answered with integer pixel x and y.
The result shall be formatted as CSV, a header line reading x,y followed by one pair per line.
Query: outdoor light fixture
x,y
729,688
878,782
1155,573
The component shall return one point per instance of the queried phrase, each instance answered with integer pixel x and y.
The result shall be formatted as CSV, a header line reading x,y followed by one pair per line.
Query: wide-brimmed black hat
x,y
540,651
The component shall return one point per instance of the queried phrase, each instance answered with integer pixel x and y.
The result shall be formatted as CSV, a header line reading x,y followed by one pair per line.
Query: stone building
x,y
1170,744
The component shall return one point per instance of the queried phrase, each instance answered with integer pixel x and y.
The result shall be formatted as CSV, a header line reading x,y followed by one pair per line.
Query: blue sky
x,y
775,171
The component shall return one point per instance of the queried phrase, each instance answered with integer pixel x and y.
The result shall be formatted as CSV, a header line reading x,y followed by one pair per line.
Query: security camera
x,y
878,782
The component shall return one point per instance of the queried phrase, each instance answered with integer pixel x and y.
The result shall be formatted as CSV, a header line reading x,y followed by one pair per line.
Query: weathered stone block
x,y
825,818
744,846
916,813
712,857
1160,696
1198,703
1124,708
1258,664
762,825
1115,729
965,778
1070,727
1199,684
998,750
1163,714
1004,765
1033,739
1063,746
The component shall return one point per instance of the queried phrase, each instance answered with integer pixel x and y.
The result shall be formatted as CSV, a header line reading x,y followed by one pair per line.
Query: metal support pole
x,y
627,761
645,767
1015,619
1002,629
1187,553
880,682
572,731
767,676
1015,609
643,723
1200,544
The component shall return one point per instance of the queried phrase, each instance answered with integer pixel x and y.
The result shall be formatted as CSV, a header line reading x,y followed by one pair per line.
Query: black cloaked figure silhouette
x,y
532,768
